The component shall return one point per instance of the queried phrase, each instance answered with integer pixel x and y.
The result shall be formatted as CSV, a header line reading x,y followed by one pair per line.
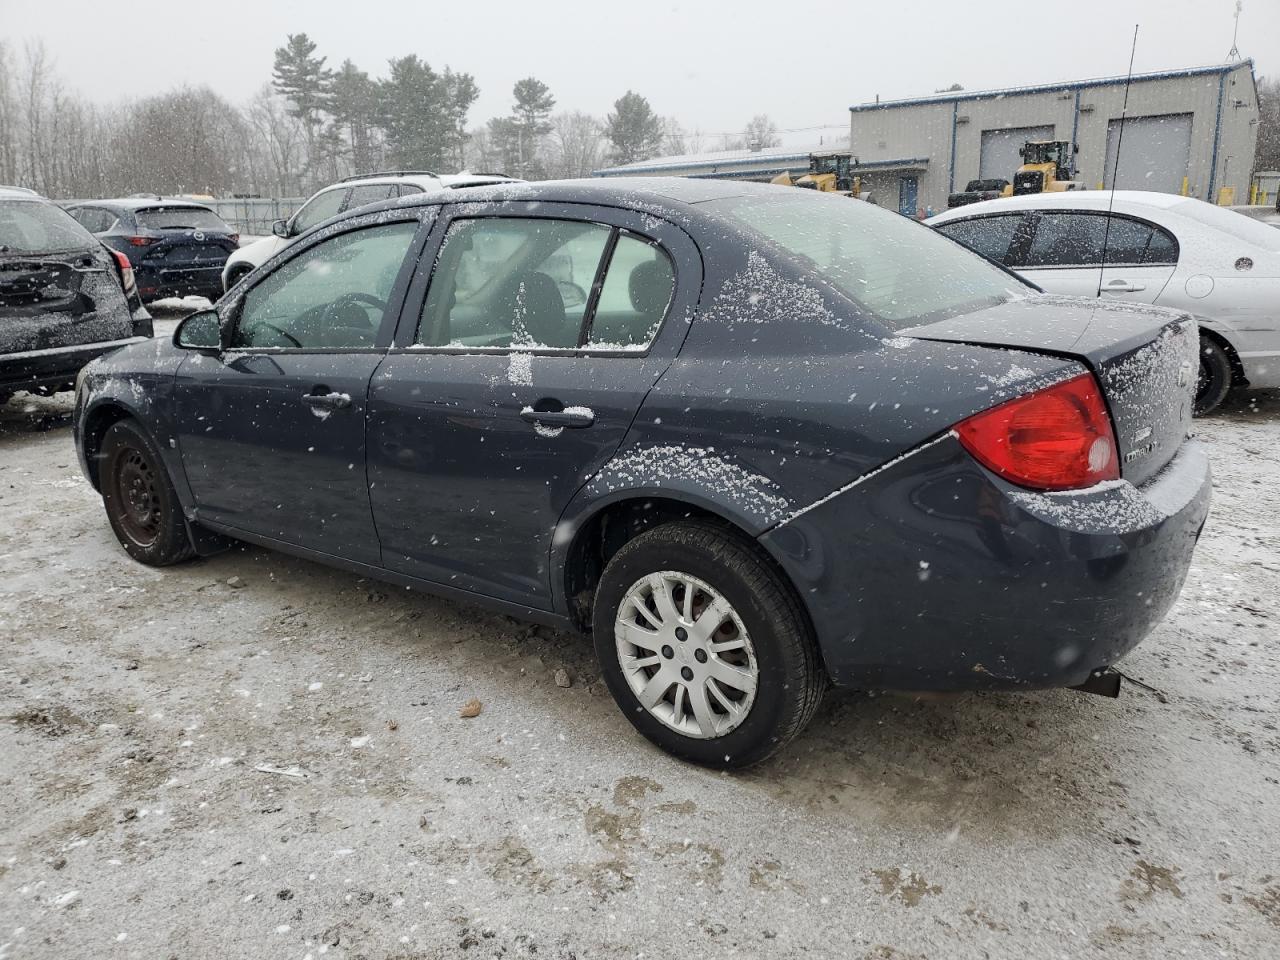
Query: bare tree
x,y
761,132
576,144
280,140
1268,155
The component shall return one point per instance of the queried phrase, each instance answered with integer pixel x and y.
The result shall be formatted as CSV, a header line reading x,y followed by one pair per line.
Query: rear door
x,y
534,339
1065,255
272,431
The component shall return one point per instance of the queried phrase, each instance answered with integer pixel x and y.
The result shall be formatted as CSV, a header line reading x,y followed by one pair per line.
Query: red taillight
x,y
141,241
126,271
1058,438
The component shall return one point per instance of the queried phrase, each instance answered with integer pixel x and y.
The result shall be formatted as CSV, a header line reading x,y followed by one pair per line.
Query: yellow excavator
x,y
828,173
1046,168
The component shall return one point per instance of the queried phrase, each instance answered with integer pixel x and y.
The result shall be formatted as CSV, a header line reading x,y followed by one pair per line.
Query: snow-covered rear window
x,y
897,271
34,226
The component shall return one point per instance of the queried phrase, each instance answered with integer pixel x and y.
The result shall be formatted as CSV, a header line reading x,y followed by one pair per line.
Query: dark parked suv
x,y
64,298
176,247
752,439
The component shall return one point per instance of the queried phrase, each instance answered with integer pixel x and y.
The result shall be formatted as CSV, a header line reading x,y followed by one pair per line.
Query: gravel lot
x,y
254,756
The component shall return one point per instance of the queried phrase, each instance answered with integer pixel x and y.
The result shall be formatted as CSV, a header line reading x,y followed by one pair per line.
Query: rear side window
x,y
1076,240
512,282
320,207
635,295
33,226
408,189
990,236
370,193
180,218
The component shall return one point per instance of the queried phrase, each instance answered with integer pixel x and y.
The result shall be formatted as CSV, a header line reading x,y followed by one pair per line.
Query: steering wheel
x,y
360,297
280,330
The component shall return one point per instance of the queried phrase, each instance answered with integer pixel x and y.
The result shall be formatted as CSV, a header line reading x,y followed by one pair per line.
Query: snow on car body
x,y
755,438
1163,249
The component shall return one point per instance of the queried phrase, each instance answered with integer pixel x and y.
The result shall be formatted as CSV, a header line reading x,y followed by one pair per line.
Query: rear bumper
x,y
934,574
53,366
155,282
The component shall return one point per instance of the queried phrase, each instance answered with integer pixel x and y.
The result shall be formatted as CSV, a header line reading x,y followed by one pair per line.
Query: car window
x,y
636,293
989,236
330,296
320,207
370,193
34,226
894,269
504,282
406,189
180,218
1076,239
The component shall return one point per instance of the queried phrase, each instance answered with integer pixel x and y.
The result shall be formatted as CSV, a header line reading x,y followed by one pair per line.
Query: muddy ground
x,y
255,756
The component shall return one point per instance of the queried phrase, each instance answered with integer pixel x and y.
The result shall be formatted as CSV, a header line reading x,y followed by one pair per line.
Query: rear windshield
x,y
898,271
180,218
1228,221
33,226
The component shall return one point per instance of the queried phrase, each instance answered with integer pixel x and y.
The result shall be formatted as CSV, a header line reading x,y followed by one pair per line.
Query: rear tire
x,y
141,503
1215,377
732,673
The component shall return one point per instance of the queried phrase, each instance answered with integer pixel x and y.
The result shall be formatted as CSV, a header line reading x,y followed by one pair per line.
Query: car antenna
x,y
1115,170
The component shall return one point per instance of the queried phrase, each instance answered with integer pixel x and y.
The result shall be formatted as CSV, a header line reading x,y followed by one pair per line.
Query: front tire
x,y
1214,382
703,646
141,503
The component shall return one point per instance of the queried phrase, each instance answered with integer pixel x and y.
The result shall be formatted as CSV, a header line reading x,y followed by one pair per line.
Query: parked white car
x,y
342,196
1162,249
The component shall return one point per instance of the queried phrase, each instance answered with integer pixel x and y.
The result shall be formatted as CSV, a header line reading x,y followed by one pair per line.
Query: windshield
x,y
180,218
33,226
899,272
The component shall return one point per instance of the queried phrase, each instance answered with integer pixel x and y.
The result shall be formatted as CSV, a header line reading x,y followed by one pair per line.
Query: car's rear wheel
x,y
704,647
141,504
1214,382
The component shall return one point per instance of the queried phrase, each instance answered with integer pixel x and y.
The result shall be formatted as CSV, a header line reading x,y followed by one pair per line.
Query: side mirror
x,y
201,331
281,229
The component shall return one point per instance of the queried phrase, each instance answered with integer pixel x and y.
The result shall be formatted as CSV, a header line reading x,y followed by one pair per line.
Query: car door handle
x,y
1124,286
572,417
327,401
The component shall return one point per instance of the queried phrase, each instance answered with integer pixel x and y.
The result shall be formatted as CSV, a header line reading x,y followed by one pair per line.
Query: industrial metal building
x,y
1190,131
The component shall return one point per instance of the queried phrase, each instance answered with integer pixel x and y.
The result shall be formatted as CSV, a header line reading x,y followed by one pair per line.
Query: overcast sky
x,y
711,65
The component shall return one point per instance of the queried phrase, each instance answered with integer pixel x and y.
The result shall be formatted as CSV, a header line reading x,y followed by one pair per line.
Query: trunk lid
x,y
1145,358
60,299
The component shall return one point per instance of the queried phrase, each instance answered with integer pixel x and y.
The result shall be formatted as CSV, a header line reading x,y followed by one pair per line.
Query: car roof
x,y
1131,200
421,178
18,193
142,203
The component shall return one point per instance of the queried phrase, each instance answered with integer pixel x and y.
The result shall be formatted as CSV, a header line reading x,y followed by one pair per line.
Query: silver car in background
x,y
1162,249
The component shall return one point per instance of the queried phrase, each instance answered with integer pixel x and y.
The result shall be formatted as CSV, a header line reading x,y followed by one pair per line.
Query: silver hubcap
x,y
686,654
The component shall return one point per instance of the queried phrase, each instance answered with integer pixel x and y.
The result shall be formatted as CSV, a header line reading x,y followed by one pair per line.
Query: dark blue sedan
x,y
176,247
753,439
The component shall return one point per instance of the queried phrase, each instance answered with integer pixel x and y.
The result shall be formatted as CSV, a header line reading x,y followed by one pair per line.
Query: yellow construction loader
x,y
828,173
1046,168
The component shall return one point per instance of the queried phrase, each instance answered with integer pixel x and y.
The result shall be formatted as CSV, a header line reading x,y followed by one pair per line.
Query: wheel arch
x,y
97,422
584,542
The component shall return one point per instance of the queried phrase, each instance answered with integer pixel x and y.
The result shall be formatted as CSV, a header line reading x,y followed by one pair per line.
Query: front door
x,y
272,431
538,337
907,191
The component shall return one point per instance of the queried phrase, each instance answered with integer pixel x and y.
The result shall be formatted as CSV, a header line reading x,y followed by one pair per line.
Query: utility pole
x,y
1234,53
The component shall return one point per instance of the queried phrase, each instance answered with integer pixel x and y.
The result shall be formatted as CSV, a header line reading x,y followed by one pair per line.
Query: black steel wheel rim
x,y
138,496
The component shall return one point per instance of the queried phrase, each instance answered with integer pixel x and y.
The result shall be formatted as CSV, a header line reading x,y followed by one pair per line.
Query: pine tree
x,y
302,79
413,114
634,129
353,101
460,92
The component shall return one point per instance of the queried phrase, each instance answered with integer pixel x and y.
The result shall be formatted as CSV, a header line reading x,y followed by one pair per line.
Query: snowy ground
x,y
254,756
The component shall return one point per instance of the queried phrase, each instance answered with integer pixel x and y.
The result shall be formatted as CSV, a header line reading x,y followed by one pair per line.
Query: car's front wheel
x,y
703,646
141,504
1214,382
